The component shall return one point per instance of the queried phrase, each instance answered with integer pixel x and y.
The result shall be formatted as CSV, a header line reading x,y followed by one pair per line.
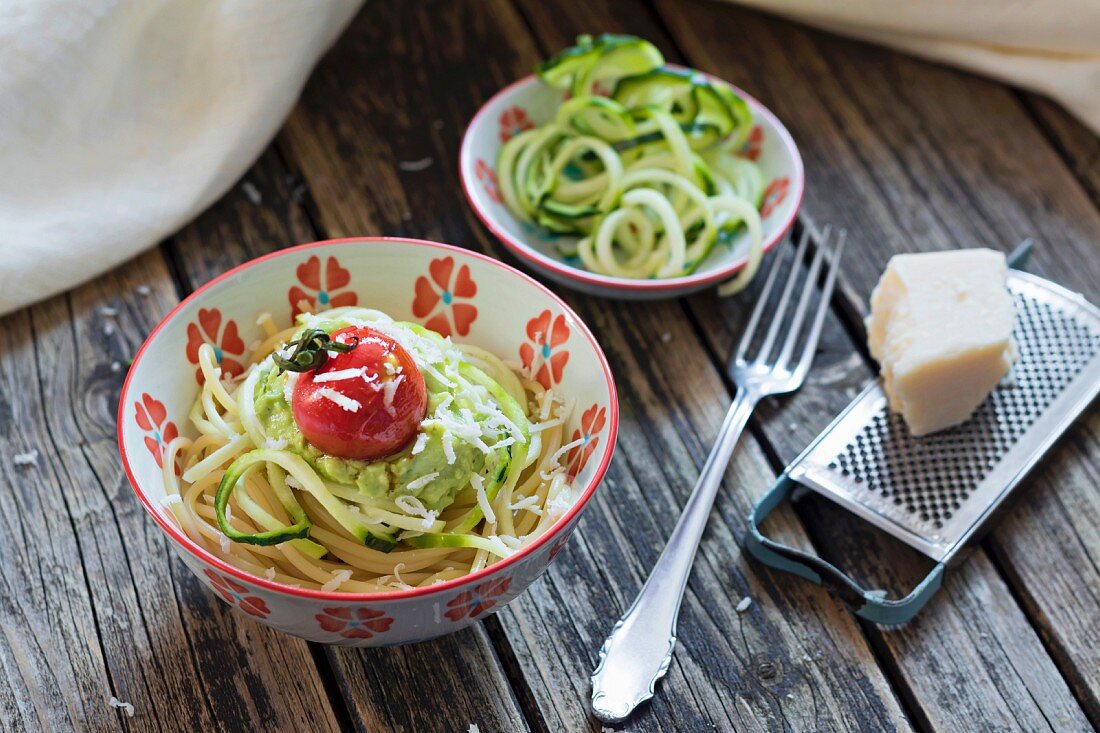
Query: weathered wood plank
x,y
50,656
1078,145
905,154
94,606
441,685
848,137
731,670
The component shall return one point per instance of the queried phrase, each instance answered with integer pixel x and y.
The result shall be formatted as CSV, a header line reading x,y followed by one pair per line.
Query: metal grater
x,y
935,492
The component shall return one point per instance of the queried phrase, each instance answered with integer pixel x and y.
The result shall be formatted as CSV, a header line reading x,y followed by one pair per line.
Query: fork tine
x,y
822,308
761,301
780,309
803,303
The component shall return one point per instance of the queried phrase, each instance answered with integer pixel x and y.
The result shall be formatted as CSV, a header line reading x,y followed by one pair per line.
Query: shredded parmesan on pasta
x,y
341,375
339,577
342,400
466,413
422,481
478,482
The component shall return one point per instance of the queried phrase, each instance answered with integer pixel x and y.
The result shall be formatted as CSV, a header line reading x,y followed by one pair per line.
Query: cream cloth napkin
x,y
120,120
1049,46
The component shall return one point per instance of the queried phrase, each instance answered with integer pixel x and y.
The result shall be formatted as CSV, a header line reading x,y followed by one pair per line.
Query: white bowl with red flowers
x,y
470,297
529,103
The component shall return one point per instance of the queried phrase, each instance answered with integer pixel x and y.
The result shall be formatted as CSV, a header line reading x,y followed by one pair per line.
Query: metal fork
x,y
639,649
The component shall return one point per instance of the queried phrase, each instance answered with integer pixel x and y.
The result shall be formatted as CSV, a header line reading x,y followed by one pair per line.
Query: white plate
x,y
528,103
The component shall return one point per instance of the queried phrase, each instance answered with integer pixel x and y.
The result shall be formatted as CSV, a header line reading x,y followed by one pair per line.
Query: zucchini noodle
x,y
246,496
647,180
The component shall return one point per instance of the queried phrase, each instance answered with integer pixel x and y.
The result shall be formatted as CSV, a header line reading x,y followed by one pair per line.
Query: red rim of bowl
x,y
533,256
188,544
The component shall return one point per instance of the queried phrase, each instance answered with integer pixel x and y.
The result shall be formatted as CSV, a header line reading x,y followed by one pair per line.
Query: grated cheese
x,y
415,166
529,503
275,443
545,425
397,577
342,400
339,577
566,448
270,573
743,605
252,193
501,548
421,442
561,502
421,482
341,374
449,447
124,706
513,543
478,482
288,385
223,541
389,389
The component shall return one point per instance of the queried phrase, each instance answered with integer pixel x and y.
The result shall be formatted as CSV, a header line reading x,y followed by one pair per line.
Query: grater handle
x,y
865,603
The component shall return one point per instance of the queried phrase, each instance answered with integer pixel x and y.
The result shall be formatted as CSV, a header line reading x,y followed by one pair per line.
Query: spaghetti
x,y
481,475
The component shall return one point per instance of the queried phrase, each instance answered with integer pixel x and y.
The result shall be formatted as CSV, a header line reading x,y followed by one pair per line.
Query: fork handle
x,y
639,649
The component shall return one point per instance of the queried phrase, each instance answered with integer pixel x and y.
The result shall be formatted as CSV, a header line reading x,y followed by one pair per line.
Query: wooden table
x,y
907,155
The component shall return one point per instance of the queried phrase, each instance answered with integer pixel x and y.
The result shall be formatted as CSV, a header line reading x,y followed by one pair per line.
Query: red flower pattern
x,y
473,603
558,546
236,594
513,121
754,143
774,195
592,422
354,623
541,356
488,178
322,292
439,303
208,330
153,419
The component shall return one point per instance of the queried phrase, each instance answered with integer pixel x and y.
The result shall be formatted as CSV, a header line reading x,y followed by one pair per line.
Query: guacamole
x,y
388,477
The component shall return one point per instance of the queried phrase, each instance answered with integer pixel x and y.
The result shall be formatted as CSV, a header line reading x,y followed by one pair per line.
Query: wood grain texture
x,y
750,672
400,689
1078,145
907,155
890,132
94,606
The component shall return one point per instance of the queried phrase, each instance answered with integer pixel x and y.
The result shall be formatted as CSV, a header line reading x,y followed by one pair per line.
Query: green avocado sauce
x,y
385,478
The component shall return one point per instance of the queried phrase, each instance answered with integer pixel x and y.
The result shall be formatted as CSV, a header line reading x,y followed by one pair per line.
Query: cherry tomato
x,y
366,415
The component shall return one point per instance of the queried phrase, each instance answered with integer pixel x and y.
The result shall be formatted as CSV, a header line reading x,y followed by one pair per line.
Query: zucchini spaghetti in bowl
x,y
619,175
362,454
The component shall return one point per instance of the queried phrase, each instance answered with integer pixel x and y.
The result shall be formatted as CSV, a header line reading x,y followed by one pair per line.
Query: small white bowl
x,y
528,103
471,297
